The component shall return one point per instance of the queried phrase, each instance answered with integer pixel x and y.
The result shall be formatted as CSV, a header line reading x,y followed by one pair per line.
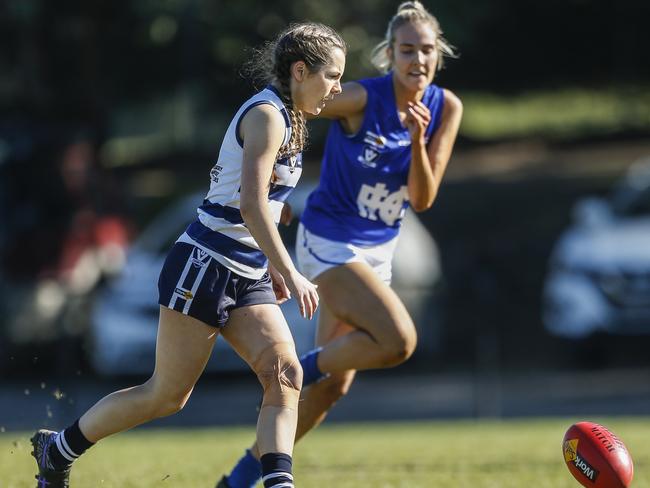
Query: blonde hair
x,y
410,12
310,42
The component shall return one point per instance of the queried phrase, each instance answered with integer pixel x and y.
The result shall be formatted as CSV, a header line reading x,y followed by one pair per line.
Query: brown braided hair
x,y
310,42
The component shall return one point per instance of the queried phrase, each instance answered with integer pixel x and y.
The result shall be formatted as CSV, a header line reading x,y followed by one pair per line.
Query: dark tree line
x,y
75,59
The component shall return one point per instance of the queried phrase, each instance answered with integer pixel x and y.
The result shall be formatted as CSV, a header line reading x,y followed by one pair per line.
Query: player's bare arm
x,y
348,106
262,130
429,163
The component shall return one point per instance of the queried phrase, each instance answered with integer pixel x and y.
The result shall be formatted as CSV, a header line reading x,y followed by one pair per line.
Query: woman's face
x,y
314,89
414,55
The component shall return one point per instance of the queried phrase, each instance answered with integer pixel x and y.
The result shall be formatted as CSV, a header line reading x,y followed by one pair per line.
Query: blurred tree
x,y
81,61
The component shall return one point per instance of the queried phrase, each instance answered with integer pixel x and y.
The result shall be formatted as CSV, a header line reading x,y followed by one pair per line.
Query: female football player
x,y
387,148
215,279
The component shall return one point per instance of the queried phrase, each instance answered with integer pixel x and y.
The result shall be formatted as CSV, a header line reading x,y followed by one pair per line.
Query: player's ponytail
x,y
410,12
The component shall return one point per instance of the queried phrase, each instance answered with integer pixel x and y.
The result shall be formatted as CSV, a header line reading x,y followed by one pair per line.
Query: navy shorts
x,y
194,283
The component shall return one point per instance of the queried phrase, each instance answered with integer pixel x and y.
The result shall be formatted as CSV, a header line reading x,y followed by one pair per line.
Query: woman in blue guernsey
x,y
387,148
216,279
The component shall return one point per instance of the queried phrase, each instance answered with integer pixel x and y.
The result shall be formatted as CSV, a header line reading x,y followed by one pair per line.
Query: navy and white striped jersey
x,y
220,229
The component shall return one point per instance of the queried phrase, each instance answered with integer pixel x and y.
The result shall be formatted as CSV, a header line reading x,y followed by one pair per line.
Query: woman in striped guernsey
x,y
387,149
220,229
229,270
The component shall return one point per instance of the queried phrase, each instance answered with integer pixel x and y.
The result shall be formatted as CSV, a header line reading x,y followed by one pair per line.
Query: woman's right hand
x,y
304,291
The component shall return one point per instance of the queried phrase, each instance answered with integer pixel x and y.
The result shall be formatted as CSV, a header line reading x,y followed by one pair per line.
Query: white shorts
x,y
316,254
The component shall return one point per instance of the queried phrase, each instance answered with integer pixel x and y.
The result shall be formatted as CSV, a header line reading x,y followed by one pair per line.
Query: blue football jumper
x,y
362,195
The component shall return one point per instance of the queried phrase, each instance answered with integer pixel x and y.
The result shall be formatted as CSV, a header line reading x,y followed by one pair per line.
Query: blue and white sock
x,y
310,371
246,473
276,470
68,445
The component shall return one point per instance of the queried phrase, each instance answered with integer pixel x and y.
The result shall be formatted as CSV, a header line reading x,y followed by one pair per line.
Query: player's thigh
x,y
254,329
355,295
183,347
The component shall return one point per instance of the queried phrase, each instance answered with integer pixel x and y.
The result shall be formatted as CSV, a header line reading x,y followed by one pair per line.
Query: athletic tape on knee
x,y
280,374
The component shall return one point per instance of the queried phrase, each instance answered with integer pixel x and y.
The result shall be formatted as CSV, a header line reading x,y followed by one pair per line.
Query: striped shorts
x,y
195,284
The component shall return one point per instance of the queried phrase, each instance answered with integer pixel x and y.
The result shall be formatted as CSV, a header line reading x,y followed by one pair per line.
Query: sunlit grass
x,y
379,455
561,114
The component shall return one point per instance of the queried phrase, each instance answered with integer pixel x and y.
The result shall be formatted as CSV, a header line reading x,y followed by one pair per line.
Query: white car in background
x,y
123,325
599,276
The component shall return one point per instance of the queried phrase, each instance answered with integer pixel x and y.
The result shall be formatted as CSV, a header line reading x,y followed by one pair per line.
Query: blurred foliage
x,y
154,75
152,84
562,114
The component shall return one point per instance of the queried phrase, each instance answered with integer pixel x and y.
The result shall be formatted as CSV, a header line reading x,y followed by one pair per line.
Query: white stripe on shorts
x,y
195,285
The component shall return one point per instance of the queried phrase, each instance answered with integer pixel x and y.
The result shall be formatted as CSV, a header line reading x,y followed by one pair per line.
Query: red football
x,y
596,457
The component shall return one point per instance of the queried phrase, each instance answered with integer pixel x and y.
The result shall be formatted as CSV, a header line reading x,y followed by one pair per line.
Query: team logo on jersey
x,y
374,144
375,140
200,258
293,160
369,157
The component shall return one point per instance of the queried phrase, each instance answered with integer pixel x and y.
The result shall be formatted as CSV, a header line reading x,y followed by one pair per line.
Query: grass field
x,y
563,114
513,454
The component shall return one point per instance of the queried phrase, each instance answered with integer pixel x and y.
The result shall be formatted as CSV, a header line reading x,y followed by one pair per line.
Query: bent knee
x,y
171,406
400,348
162,400
280,374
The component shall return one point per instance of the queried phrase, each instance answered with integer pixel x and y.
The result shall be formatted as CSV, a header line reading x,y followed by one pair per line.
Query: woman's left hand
x,y
282,293
417,120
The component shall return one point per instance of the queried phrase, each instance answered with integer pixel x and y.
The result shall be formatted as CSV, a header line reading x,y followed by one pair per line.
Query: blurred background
x,y
529,279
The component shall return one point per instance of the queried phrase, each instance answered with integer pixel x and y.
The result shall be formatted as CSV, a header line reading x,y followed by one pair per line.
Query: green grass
x,y
513,454
561,114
